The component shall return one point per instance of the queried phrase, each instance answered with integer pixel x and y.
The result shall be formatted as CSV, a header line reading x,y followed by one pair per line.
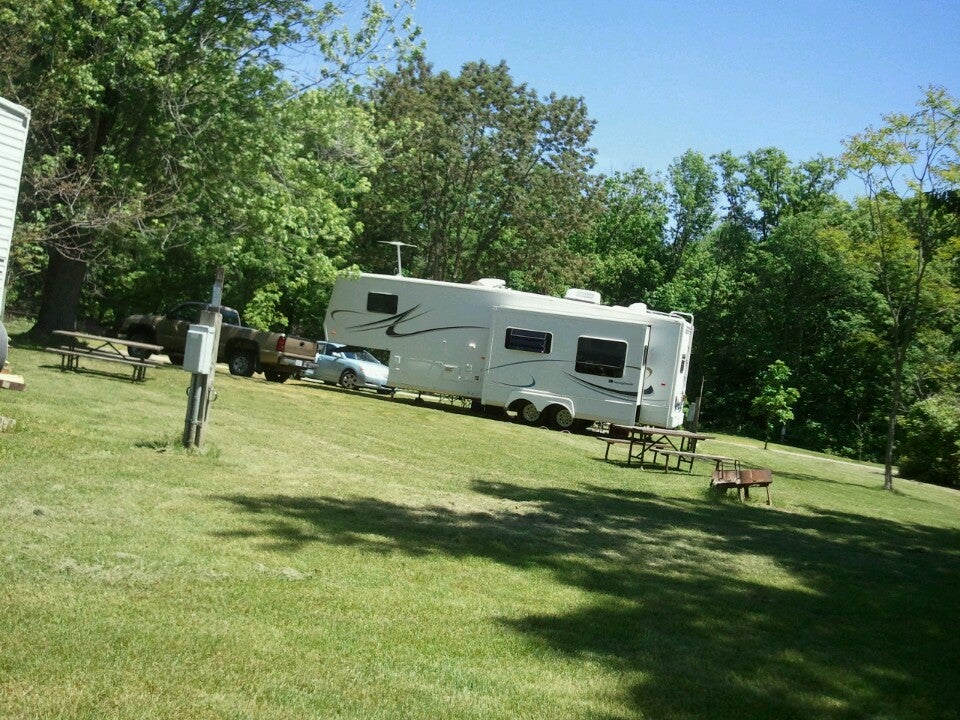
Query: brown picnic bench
x,y
77,345
742,480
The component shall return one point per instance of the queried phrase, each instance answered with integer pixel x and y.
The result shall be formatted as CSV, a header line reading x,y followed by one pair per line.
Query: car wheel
x,y
139,336
349,380
562,419
528,414
241,362
274,376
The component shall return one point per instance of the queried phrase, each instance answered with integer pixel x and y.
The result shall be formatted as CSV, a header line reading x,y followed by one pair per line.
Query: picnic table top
x,y
650,430
108,340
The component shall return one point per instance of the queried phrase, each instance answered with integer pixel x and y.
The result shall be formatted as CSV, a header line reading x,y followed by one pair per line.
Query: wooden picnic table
x,y
643,439
76,345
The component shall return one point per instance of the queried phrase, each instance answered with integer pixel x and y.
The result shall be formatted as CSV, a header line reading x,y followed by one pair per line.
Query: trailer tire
x,y
274,376
241,362
560,418
528,414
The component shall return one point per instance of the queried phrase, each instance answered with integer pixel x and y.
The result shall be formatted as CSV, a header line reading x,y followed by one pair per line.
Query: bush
x,y
930,449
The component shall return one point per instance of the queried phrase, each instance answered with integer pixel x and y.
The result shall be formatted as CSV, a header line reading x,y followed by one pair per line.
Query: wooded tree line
x,y
284,141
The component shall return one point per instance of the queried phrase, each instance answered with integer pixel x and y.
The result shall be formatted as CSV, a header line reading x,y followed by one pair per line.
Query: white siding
x,y
14,122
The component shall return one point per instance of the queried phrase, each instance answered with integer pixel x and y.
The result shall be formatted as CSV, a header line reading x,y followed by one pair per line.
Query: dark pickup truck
x,y
246,350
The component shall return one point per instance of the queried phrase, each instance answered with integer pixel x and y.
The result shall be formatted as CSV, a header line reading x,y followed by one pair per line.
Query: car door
x,y
328,369
171,332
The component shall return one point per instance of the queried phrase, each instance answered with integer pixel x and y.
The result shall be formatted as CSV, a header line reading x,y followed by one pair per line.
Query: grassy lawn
x,y
342,555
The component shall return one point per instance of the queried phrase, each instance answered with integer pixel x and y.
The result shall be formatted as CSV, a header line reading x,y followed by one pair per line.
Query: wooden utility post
x,y
200,393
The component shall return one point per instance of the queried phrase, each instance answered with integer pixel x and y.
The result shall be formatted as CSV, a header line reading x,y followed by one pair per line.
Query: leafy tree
x,y
482,174
153,125
905,240
693,189
774,403
626,242
763,187
931,440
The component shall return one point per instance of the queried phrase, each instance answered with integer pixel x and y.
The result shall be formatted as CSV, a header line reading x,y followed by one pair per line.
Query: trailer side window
x,y
382,303
601,357
528,340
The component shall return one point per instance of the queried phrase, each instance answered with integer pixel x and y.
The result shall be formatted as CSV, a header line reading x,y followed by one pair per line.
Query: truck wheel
x,y
139,336
349,380
241,363
561,419
528,414
274,376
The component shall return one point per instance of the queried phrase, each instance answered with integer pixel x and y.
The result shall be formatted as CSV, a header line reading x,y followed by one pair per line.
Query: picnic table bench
x,y
630,443
78,345
742,480
688,456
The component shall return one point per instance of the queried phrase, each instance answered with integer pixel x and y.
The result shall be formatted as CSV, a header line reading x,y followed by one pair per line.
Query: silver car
x,y
349,367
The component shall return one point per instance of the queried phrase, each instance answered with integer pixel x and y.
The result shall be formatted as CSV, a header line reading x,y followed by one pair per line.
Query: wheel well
x,y
554,408
145,330
244,345
517,404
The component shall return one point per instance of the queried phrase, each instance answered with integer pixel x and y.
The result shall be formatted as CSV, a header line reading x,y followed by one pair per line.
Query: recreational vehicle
x,y
566,362
14,122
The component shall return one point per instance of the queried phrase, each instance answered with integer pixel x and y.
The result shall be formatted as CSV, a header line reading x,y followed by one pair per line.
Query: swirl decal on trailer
x,y
390,324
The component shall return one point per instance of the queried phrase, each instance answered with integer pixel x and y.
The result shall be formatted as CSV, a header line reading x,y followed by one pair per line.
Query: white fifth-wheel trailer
x,y
566,362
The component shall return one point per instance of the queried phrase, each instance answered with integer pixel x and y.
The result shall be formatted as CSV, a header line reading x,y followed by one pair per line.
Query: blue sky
x,y
664,77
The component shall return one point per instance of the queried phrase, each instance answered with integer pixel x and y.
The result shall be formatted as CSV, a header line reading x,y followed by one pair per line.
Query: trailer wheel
x,y
528,414
274,376
562,419
241,363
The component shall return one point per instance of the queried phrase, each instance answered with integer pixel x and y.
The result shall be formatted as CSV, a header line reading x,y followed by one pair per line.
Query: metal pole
x,y
193,410
207,317
696,415
200,392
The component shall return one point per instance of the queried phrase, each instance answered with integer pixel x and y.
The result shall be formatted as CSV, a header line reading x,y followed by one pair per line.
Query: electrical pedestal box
x,y
198,353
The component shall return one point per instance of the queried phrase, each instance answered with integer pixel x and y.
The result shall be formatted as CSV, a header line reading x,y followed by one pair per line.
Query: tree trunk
x,y
60,301
892,421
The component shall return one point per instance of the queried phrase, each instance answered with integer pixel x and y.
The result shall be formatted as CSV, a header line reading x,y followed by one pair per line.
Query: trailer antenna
x,y
398,244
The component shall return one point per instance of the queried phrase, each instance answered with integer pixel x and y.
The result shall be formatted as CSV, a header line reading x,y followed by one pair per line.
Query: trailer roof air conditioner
x,y
580,295
490,282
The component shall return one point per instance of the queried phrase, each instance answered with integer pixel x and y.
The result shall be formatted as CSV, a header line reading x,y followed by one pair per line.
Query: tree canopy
x,y
482,174
166,133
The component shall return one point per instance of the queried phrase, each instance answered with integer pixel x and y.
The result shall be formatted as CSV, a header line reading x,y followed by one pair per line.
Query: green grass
x,y
342,555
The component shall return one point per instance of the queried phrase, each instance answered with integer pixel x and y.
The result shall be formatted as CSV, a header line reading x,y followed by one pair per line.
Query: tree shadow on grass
x,y
708,610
